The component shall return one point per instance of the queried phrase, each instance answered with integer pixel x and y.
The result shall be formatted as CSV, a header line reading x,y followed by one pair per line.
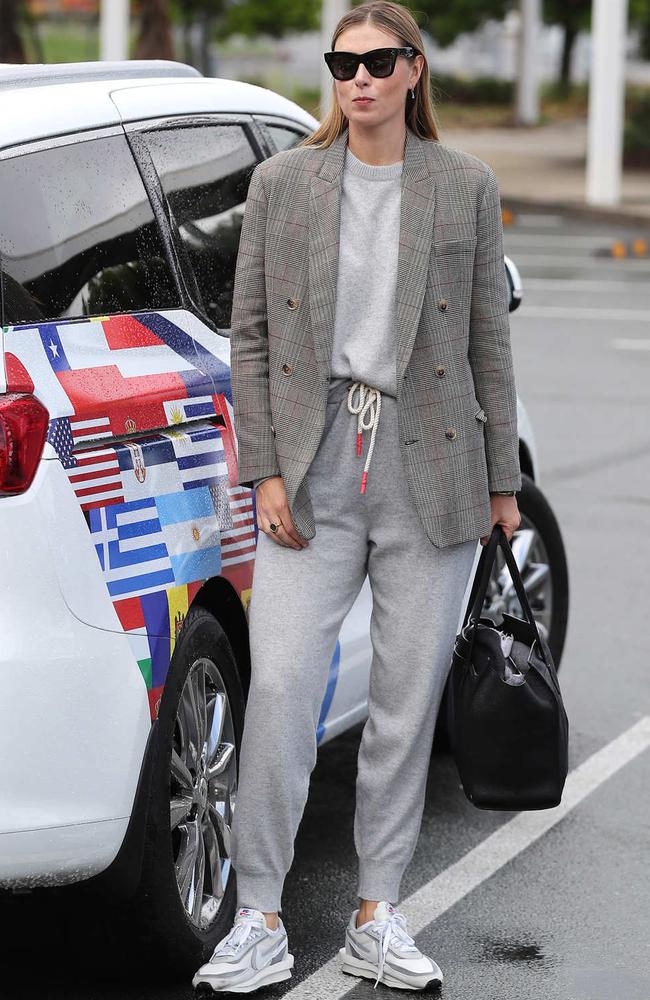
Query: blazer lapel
x,y
415,240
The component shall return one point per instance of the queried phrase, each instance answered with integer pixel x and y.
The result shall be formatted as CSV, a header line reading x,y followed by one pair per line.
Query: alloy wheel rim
x,y
203,789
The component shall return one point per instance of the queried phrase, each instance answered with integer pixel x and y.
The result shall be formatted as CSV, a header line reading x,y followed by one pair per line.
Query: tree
x,y
640,17
445,22
459,16
573,16
154,33
270,17
11,43
222,18
198,17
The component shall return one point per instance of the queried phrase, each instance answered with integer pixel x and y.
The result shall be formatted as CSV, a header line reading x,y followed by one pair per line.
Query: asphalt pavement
x,y
553,906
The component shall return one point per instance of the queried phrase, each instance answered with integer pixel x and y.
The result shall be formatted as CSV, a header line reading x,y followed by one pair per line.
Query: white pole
x,y
527,112
332,11
606,102
113,29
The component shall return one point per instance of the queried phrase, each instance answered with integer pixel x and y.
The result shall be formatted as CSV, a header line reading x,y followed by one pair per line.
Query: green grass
x,y
64,43
73,42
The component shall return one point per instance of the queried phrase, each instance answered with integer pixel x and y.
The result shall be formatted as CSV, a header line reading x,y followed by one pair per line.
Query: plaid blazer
x,y
456,395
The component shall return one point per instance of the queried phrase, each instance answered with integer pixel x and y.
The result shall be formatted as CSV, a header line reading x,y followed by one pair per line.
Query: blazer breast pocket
x,y
454,253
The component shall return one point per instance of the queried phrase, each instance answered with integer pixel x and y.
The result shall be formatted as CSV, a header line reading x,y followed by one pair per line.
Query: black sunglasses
x,y
378,62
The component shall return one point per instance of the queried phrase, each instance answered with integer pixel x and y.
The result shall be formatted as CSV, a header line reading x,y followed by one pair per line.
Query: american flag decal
x,y
95,478
238,542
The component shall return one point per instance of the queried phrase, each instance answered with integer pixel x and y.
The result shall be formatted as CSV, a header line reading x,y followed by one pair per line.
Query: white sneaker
x,y
249,956
381,948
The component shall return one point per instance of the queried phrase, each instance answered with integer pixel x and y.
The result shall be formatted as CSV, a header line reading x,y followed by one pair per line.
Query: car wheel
x,y
187,893
539,550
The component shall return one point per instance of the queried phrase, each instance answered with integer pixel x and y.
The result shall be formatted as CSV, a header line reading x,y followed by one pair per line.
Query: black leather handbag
x,y
507,726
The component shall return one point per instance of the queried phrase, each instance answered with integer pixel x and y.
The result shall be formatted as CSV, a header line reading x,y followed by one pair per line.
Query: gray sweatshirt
x,y
364,327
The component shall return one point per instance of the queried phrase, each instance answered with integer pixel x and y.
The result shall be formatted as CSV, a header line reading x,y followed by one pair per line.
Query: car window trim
x,y
61,139
158,199
262,120
149,178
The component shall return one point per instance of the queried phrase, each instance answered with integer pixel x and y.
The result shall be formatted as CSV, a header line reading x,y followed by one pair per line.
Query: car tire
x,y
547,550
181,940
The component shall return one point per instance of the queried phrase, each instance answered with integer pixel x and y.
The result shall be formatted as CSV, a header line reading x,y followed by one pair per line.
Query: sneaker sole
x,y
272,974
357,967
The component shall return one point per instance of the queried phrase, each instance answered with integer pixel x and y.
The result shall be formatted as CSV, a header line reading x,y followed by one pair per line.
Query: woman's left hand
x,y
505,511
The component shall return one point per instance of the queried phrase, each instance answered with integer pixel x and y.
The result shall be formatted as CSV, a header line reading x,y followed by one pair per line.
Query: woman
x,y
370,284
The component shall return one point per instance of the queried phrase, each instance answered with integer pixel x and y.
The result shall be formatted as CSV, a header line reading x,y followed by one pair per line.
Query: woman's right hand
x,y
273,506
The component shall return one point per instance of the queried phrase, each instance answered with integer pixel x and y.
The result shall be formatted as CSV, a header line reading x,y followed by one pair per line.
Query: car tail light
x,y
23,427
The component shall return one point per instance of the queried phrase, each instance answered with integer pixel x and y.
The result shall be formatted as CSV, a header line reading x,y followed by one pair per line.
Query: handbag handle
x,y
482,576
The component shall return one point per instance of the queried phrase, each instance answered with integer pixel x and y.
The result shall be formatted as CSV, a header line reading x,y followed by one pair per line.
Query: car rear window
x,y
78,236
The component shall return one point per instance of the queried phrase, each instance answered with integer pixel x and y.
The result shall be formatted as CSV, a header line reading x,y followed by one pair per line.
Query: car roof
x,y
14,75
36,108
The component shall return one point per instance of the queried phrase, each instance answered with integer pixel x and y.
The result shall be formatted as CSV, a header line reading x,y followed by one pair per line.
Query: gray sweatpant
x,y
298,603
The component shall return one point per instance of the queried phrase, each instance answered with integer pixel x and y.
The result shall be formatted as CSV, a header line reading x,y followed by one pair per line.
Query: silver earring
x,y
412,93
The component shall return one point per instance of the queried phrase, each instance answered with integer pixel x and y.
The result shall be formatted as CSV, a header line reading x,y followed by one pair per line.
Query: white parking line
x,y
586,312
579,260
584,285
629,344
539,241
437,896
525,219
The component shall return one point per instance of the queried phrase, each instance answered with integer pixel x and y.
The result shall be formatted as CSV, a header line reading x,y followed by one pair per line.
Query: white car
x,y
126,545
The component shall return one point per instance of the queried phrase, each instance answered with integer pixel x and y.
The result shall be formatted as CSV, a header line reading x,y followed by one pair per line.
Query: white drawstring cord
x,y
365,407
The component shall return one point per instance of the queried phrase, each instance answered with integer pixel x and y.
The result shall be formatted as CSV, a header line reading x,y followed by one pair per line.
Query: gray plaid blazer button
x,y
287,369
442,304
450,433
293,303
440,370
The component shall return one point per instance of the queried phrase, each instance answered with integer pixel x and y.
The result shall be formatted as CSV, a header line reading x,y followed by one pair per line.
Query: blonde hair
x,y
419,112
